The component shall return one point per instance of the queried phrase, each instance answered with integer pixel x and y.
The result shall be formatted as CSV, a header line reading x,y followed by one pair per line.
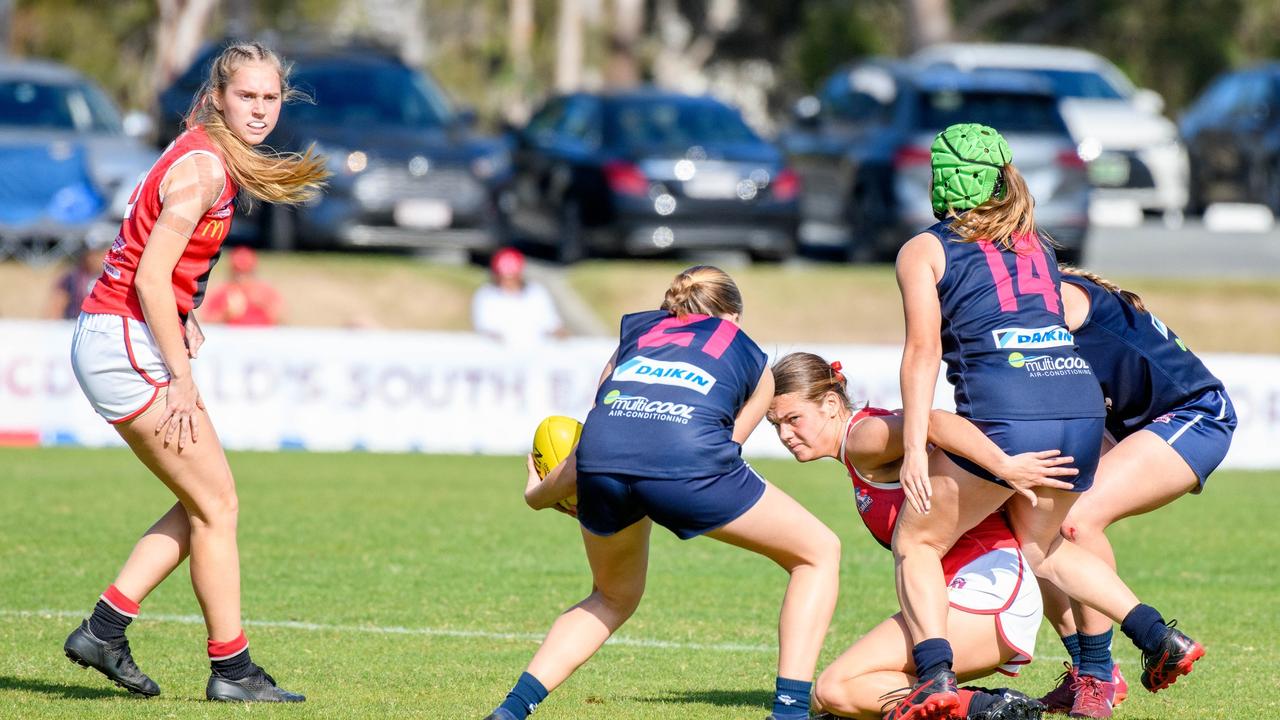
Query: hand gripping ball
x,y
552,442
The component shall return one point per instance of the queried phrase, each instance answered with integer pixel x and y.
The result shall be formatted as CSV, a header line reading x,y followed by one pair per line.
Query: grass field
x,y
388,586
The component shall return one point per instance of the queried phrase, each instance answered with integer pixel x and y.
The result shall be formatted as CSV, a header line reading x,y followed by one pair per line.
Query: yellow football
x,y
552,442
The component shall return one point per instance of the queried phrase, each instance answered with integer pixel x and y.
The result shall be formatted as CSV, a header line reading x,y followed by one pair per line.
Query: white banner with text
x,y
338,389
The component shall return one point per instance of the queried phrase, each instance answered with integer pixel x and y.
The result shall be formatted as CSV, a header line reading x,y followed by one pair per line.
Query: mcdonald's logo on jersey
x,y
213,229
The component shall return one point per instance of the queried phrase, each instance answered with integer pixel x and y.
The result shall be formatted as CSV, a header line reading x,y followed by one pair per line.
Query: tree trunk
x,y
6,20
520,37
928,22
179,31
569,46
627,23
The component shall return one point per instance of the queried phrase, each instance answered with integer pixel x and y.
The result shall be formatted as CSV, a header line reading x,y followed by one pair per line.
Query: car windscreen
x,y
673,123
56,107
1077,84
1005,111
374,95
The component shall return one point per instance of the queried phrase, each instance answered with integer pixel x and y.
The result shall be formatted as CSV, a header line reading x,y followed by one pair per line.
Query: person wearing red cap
x,y
246,300
511,309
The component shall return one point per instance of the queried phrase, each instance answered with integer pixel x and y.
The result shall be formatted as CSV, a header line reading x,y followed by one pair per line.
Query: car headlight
x,y
343,161
1089,149
491,164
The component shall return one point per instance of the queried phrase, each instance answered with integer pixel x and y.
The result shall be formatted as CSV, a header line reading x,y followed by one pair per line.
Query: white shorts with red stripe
x,y
118,365
1001,583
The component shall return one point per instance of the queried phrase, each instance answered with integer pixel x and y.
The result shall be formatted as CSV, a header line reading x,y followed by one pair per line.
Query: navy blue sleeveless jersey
x,y
1145,370
1007,351
667,409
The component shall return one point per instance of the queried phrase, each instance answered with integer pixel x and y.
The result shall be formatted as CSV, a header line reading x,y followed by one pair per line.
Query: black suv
x,y
644,172
408,170
1232,134
861,147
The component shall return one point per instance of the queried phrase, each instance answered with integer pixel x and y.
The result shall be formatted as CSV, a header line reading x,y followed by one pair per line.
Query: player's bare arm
x,y
190,189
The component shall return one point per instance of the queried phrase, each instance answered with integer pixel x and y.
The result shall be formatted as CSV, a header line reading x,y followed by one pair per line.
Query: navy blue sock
x,y
1072,644
1095,656
525,697
791,700
106,623
931,656
1144,626
236,667
980,701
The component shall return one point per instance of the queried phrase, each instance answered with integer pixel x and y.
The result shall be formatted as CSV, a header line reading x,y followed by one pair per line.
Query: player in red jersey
x,y
995,606
132,352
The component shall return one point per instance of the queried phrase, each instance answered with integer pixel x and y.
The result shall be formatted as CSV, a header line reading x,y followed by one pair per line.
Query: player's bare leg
x,y
866,677
619,565
782,530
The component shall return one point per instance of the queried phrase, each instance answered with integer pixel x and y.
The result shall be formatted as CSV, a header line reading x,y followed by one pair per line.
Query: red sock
x,y
231,659
966,696
111,615
228,649
119,602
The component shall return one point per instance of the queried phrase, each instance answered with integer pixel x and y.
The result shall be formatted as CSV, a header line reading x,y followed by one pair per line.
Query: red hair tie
x,y
836,367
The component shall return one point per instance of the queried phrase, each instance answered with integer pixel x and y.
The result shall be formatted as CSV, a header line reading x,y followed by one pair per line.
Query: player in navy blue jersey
x,y
662,444
1169,425
980,291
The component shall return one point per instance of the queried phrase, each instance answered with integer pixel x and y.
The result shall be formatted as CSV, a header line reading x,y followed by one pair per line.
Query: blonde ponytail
x,y
1006,219
266,175
703,290
1127,295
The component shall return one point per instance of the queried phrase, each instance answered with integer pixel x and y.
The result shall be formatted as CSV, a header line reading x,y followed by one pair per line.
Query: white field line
x,y
411,631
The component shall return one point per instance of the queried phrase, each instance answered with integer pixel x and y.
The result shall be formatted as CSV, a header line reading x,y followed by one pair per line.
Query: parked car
x,y
644,172
408,168
1132,149
73,147
1232,132
861,148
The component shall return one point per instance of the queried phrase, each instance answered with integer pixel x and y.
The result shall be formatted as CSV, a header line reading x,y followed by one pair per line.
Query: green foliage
x,y
430,583
831,33
110,41
1172,46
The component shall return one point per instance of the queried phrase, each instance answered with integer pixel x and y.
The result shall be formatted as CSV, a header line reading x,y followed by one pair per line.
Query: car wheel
x,y
1195,187
866,225
781,252
1272,182
570,245
282,231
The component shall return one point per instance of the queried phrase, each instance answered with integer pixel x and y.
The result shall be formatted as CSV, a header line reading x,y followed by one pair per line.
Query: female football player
x,y
980,291
684,389
132,352
1169,425
995,606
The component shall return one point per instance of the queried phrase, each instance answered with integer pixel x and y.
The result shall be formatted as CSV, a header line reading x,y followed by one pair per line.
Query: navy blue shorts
x,y
609,503
1200,431
1081,438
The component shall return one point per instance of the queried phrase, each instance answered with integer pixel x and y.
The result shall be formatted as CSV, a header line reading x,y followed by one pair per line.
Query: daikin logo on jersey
x,y
1032,338
642,408
644,370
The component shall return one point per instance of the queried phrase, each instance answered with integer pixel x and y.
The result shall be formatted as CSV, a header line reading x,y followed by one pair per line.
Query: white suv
x,y
1132,149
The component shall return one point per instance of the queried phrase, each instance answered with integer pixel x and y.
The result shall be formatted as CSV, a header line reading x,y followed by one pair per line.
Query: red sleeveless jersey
x,y
879,504
114,293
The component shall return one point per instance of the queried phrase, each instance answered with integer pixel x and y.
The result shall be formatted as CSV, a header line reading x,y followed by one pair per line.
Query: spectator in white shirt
x,y
511,309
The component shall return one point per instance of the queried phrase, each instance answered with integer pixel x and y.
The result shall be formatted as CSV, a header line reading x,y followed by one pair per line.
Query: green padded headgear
x,y
967,159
